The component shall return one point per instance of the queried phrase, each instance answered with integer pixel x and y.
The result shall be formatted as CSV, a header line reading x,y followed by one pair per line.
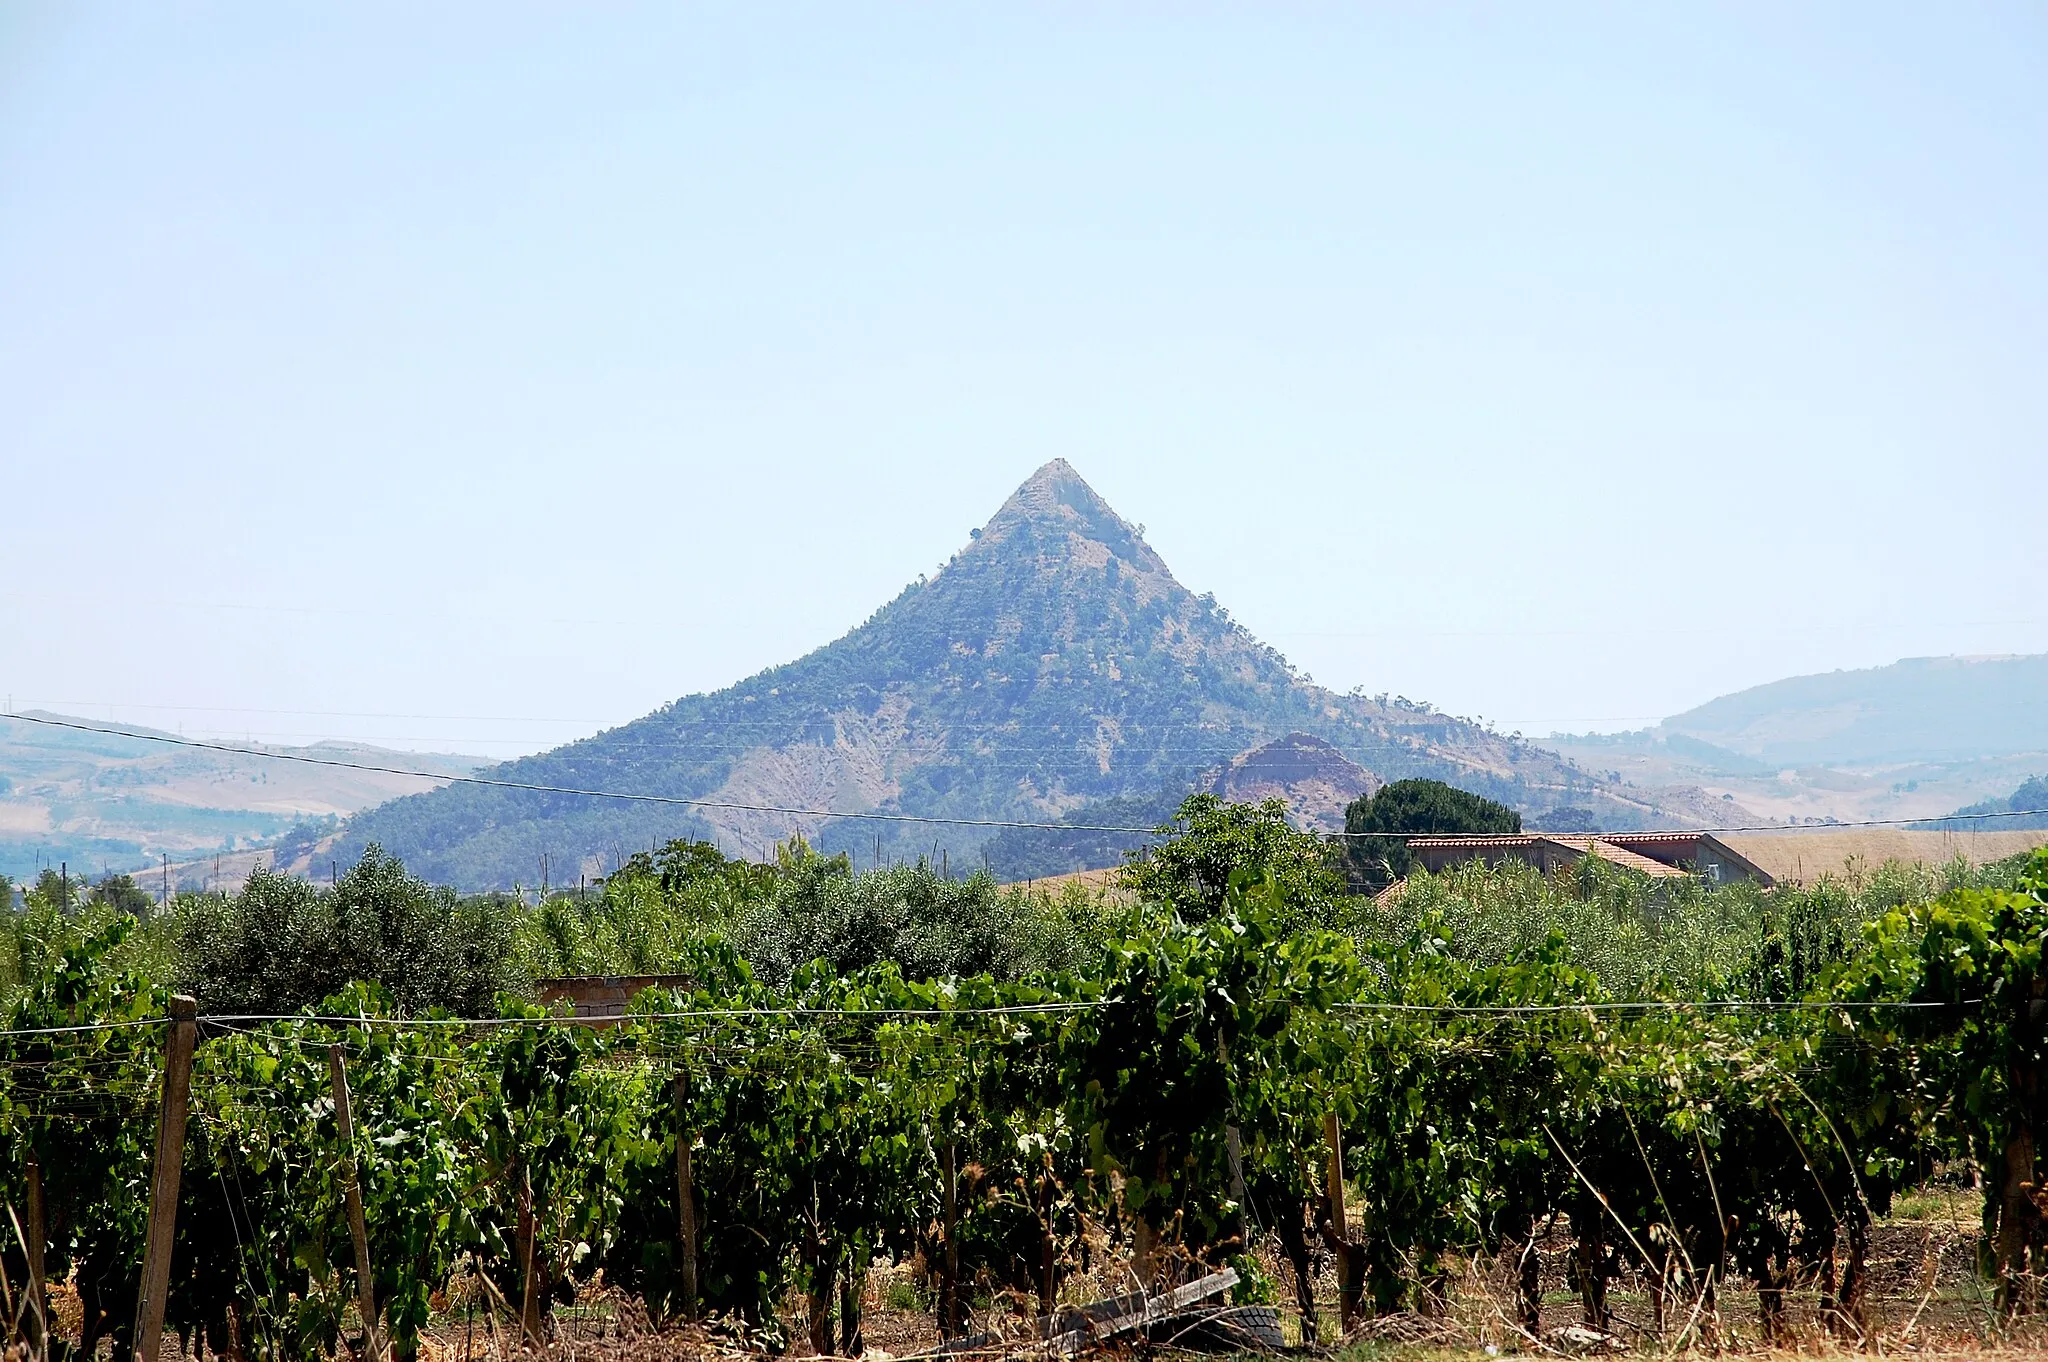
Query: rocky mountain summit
x,y
1052,672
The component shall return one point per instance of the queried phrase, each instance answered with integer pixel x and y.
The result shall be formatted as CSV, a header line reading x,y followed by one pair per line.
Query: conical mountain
x,y
1053,664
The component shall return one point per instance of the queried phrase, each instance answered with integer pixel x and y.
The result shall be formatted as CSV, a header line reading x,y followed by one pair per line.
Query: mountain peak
x,y
1055,509
1052,666
1055,481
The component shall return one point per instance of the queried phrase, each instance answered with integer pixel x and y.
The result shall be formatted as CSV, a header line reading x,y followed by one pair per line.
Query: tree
x,y
53,890
122,894
1208,840
283,944
1412,807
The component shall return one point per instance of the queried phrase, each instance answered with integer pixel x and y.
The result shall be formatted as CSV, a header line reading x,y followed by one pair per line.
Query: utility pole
x,y
64,887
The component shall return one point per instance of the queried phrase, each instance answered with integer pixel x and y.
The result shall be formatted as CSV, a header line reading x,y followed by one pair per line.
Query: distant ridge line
x,y
534,788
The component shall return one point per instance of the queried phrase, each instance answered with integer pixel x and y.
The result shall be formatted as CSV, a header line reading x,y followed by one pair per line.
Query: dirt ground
x,y
1925,1300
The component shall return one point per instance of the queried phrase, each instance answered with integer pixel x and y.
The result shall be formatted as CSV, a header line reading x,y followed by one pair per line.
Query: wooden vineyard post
x,y
949,1280
686,1200
2019,1218
36,1317
352,1195
163,1182
524,1234
1233,1148
1350,1269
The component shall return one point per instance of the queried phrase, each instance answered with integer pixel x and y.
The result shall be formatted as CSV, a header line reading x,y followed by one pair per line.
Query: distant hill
x,y
1054,669
1911,740
1921,709
2024,808
99,802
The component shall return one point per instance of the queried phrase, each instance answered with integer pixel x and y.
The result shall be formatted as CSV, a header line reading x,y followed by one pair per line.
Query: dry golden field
x,y
1801,856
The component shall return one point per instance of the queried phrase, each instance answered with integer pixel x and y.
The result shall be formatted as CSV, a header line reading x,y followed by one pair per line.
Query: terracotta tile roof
x,y
1606,851
1622,856
1700,847
1658,837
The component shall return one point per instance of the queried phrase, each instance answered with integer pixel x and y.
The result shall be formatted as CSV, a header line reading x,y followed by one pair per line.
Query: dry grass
x,y
1925,1301
1091,880
1802,856
1955,1207
1799,855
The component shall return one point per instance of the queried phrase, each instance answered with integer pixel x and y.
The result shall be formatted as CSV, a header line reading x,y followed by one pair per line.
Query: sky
x,y
471,377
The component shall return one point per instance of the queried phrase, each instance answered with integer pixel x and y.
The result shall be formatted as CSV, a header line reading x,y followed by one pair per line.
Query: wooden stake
x,y
525,1233
686,1199
949,1282
1333,1138
352,1194
1349,1276
36,1317
176,1105
1233,1149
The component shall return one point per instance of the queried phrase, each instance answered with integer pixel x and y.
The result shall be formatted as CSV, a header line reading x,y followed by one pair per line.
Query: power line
x,y
536,788
1222,744
1643,1005
696,1014
85,1027
326,713
533,787
246,1019
724,724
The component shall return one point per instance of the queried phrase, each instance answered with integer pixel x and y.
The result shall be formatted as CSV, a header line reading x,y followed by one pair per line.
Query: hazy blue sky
x,y
474,376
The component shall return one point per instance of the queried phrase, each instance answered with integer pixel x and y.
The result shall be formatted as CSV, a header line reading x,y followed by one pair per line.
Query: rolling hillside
x,y
99,802
1054,664
1916,739
1922,709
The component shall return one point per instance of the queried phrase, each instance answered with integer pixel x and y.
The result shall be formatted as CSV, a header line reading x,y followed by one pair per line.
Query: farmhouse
x,y
1658,855
603,999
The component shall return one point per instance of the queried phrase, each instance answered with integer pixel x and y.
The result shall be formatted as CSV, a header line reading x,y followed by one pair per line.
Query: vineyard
x,y
1365,1126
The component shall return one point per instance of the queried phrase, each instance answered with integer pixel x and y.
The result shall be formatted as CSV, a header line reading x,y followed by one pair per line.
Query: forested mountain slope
x,y
1053,663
